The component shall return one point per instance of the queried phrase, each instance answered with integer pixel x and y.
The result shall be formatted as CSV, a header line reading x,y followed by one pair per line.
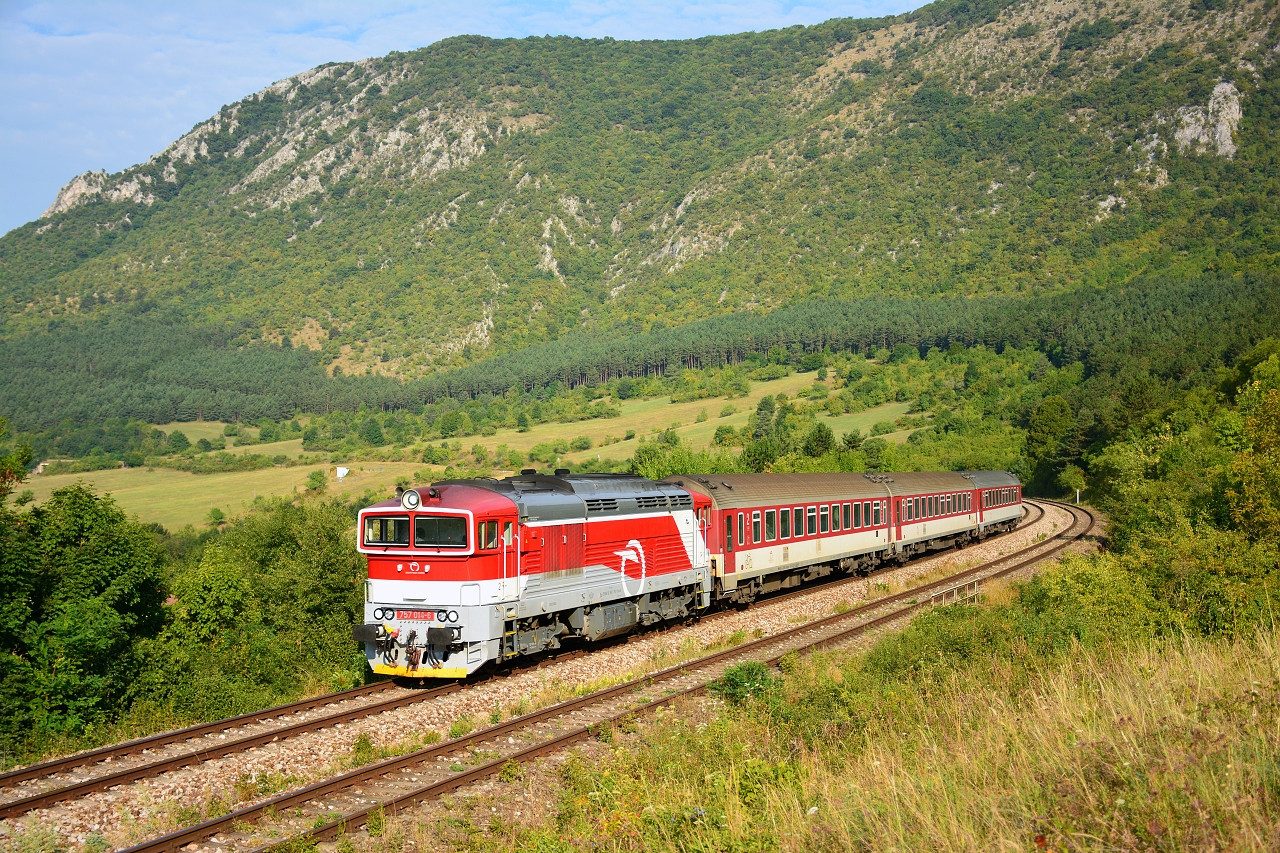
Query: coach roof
x,y
729,491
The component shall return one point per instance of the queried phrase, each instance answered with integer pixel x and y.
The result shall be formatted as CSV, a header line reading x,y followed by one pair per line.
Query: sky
x,y
105,84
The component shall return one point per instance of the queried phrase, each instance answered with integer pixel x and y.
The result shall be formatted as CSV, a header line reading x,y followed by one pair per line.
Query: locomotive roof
x,y
740,490
540,497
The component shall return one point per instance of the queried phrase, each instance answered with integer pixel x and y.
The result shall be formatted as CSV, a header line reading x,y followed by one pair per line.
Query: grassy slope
x,y
1160,746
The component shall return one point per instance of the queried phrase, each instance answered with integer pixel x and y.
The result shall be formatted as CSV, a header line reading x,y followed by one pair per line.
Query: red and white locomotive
x,y
466,572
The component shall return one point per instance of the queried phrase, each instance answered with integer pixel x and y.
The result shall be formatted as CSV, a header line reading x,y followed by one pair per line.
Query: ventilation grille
x,y
681,501
651,501
602,505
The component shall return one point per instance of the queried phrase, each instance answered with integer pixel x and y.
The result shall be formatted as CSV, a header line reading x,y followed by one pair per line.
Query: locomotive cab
x,y
438,565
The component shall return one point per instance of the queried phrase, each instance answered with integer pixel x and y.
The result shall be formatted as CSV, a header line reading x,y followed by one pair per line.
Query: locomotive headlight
x,y
378,614
453,616
411,499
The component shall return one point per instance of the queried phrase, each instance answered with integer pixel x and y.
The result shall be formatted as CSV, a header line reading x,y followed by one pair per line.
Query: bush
x,y
743,682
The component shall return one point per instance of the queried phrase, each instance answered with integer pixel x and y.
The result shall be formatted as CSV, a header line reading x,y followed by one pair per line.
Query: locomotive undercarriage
x,y
544,632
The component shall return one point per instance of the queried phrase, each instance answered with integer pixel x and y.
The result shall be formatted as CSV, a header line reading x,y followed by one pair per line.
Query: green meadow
x,y
179,498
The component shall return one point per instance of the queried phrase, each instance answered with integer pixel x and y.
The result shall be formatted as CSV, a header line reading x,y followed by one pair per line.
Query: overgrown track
x,y
156,741
332,807
208,749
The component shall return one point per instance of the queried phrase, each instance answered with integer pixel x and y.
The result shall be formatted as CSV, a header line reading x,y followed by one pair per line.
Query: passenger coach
x,y
765,527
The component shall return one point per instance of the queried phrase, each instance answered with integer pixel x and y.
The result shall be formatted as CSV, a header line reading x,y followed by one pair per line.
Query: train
x,y
465,574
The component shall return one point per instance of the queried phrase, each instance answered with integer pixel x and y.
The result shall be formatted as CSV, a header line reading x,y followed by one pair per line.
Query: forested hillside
x,y
390,221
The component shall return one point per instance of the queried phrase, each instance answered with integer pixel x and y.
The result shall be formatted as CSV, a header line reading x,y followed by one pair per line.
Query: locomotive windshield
x,y
440,531
386,530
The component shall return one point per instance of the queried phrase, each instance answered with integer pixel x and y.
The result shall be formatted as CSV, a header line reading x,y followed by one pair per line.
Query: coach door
x,y
730,564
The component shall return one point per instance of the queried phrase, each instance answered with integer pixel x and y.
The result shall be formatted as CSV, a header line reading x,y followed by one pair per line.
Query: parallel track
x,y
396,783
208,749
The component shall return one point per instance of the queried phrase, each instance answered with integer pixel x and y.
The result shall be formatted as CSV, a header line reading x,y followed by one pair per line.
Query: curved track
x,y
131,761
332,807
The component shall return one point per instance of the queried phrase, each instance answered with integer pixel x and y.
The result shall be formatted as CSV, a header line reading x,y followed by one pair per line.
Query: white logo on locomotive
x,y
634,552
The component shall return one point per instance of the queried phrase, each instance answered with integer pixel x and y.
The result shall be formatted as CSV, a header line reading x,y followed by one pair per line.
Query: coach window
x,y
755,526
784,516
728,535
812,515
742,528
876,509
770,525
797,521
848,519
835,516
825,515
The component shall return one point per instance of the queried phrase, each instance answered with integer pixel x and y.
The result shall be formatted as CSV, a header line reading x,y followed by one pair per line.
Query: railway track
x,y
332,807
49,783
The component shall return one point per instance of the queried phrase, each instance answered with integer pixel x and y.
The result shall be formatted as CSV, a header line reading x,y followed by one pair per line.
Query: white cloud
x,y
104,85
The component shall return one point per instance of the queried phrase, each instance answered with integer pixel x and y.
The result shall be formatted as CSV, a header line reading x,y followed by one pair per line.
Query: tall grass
x,y
1167,745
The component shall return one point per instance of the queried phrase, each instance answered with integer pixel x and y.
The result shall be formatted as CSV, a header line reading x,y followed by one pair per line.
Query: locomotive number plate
x,y
416,615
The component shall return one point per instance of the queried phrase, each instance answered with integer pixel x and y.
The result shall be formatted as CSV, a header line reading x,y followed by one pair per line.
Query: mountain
x,y
414,213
